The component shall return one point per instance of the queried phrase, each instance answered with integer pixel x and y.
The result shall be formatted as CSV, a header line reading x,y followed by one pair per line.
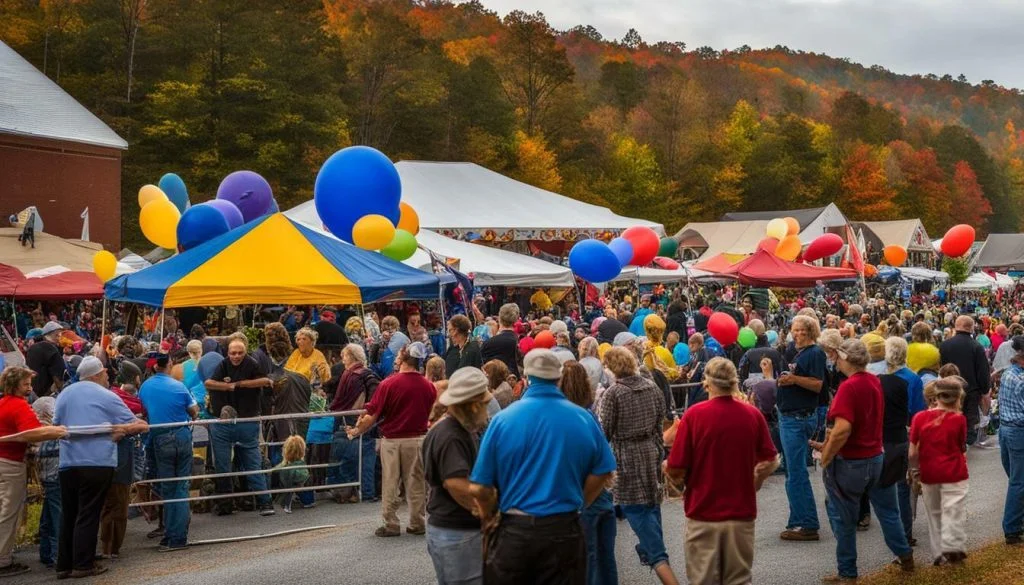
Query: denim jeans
x,y
903,498
247,436
345,452
173,451
795,432
1011,448
645,520
49,522
846,480
599,531
457,555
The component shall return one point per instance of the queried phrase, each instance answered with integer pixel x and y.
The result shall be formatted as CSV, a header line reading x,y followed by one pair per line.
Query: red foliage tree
x,y
969,203
866,194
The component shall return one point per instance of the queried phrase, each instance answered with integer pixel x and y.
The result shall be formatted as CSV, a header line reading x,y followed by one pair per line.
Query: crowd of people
x,y
520,435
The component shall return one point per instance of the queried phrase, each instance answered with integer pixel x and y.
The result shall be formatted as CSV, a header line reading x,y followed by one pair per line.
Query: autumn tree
x,y
922,189
535,164
623,84
866,194
969,203
632,180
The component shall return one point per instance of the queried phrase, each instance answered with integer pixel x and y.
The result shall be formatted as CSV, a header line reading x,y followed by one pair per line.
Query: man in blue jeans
x,y
167,400
234,391
797,402
1011,443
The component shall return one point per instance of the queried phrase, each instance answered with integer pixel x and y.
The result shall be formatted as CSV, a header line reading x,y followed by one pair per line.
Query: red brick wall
x,y
61,179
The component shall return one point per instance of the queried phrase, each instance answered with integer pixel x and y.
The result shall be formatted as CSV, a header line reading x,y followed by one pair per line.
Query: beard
x,y
469,416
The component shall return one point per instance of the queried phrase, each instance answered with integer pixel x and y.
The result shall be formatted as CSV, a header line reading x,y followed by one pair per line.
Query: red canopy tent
x,y
716,264
72,285
763,268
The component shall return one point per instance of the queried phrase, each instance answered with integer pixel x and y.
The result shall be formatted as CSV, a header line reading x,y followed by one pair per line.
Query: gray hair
x,y
854,352
308,332
194,349
587,347
895,353
356,352
508,314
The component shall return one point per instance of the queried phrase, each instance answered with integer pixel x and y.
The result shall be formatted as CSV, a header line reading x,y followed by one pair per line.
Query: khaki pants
x,y
946,505
719,553
13,485
401,462
114,519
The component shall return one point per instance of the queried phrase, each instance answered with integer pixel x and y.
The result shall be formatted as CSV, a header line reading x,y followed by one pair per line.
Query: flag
x,y
85,225
853,253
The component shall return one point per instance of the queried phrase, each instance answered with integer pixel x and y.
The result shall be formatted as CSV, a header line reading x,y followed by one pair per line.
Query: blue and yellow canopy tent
x,y
274,260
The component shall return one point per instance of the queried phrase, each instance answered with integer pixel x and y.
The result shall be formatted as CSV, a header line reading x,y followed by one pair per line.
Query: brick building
x,y
56,155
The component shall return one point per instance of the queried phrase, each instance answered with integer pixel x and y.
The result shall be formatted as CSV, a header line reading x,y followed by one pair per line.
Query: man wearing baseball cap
x,y
47,360
87,464
541,461
449,451
402,404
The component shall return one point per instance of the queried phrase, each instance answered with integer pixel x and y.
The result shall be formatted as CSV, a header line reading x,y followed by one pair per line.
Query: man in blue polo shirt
x,y
541,461
168,401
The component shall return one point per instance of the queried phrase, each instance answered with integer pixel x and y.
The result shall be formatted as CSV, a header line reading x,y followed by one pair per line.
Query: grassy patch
x,y
994,564
28,533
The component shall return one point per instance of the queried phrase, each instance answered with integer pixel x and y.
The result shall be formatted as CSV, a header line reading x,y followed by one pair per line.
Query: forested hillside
x,y
660,130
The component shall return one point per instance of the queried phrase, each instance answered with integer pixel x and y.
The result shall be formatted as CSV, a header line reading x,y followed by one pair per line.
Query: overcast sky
x,y
980,38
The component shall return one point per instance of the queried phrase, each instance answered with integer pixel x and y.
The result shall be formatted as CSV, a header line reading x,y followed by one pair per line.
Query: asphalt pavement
x,y
348,552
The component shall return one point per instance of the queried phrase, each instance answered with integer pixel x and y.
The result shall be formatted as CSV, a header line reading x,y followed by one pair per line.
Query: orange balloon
x,y
894,255
408,219
870,270
792,226
789,248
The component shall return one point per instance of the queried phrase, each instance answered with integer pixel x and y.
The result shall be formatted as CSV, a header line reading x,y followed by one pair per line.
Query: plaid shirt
x,y
632,411
1011,396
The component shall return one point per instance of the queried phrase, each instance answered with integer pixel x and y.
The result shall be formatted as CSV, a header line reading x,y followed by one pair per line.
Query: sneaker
x,y
158,531
416,531
864,524
385,532
267,510
172,548
96,570
14,569
1014,539
309,505
838,579
287,509
799,534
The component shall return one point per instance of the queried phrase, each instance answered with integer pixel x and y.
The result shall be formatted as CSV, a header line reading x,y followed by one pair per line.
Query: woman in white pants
x,y
937,440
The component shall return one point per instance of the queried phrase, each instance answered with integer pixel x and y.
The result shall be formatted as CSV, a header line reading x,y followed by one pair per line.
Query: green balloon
x,y
668,247
402,246
747,338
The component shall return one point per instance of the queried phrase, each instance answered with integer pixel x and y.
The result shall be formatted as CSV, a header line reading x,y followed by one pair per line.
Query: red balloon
x,y
723,328
823,246
666,263
958,240
768,245
645,244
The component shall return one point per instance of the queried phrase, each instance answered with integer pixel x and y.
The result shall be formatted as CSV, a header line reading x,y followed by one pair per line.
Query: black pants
x,y
547,550
972,406
83,490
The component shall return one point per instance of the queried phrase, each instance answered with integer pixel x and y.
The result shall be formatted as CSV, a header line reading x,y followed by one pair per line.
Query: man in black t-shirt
x,y
449,452
234,391
504,345
47,361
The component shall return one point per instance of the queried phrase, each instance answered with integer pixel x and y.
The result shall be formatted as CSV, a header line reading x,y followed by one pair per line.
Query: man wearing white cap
x,y
47,361
454,541
541,461
87,463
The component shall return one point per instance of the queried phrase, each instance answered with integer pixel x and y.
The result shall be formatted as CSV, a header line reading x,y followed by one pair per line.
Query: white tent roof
x,y
924,274
657,276
31,104
982,281
457,198
730,237
908,233
490,266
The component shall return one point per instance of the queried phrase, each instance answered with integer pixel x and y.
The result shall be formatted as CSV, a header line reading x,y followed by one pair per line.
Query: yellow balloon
x,y
104,264
159,223
373,232
150,193
409,220
777,228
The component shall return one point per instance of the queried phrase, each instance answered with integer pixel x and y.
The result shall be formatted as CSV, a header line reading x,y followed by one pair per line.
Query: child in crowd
x,y
288,476
47,455
937,440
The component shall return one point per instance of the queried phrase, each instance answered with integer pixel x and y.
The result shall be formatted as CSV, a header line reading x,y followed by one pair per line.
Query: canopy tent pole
x,y
440,308
163,313
103,323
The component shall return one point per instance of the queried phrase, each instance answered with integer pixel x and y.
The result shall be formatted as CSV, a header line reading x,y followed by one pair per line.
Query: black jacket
x,y
969,357
751,361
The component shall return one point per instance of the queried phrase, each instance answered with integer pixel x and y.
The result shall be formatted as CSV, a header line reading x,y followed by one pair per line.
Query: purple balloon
x,y
250,192
229,210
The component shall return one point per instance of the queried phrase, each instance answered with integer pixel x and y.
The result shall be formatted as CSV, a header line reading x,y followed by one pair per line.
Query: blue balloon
x,y
354,182
200,223
623,249
273,207
681,354
174,187
594,261
773,337
714,348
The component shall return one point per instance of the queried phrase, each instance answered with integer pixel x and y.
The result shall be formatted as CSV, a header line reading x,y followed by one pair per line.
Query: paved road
x,y
349,553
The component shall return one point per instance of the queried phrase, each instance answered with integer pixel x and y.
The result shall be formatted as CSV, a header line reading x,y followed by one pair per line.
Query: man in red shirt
x,y
402,403
851,458
18,426
722,453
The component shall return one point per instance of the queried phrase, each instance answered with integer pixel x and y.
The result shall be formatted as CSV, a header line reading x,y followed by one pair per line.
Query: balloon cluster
x,y
595,261
358,196
957,241
782,238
